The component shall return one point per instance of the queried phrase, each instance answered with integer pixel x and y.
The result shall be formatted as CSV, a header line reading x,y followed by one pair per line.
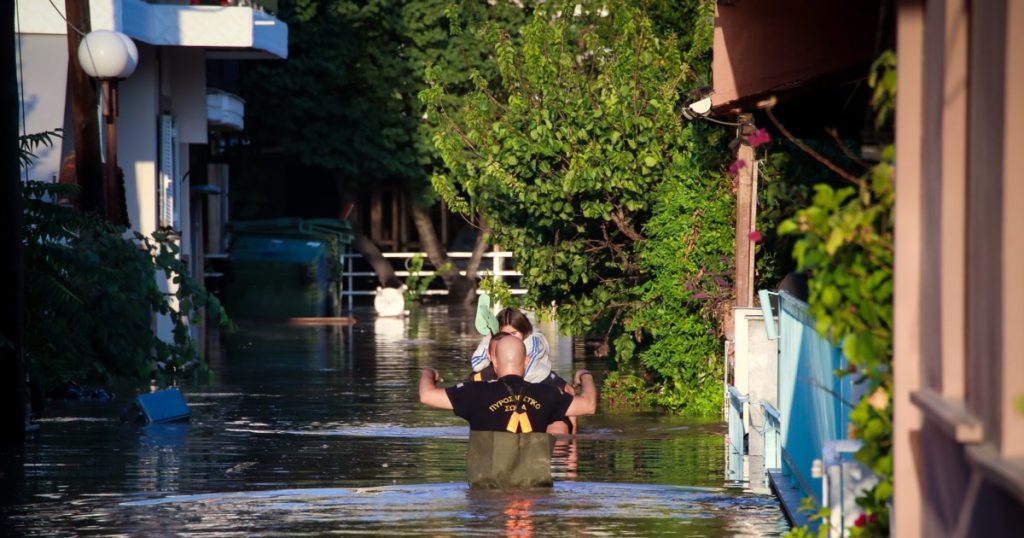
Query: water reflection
x,y
318,430
573,507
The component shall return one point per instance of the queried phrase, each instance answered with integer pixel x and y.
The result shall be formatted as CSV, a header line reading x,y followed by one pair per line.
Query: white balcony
x,y
233,31
224,111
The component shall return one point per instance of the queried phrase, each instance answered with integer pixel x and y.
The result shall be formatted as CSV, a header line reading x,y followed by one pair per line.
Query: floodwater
x,y
313,431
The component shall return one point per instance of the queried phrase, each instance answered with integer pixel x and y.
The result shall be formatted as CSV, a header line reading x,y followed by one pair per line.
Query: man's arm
x,y
585,401
432,395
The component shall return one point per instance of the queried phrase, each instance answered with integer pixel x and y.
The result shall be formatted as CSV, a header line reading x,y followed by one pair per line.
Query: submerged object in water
x,y
164,406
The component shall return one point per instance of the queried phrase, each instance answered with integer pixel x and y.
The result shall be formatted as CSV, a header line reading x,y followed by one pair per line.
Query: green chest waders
x,y
508,460
518,458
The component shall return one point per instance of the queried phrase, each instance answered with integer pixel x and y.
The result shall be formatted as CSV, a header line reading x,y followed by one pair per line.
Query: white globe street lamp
x,y
104,54
108,57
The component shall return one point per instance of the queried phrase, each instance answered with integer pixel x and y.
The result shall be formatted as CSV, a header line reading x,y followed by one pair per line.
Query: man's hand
x,y
435,376
585,401
430,394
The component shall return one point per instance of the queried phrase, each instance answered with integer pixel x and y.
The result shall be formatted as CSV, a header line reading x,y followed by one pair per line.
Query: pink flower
x,y
860,521
734,168
759,136
873,518
754,236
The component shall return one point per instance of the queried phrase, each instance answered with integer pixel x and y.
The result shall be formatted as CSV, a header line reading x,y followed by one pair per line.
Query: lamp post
x,y
109,57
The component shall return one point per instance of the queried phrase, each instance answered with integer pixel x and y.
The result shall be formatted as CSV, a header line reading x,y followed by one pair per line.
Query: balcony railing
x,y
268,6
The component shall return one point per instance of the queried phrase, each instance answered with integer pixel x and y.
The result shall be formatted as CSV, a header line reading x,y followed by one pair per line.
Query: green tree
x,y
345,103
580,163
92,294
844,238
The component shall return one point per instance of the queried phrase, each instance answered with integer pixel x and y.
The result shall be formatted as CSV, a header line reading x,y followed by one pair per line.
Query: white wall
x,y
39,17
41,88
137,140
185,70
185,84
168,79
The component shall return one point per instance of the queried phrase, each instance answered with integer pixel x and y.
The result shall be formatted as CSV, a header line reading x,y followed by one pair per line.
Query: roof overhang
x,y
787,47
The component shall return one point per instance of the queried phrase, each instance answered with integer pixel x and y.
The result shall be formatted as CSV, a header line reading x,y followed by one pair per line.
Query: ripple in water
x,y
569,507
313,431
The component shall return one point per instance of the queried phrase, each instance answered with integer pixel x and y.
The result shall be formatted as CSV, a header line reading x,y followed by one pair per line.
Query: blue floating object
x,y
164,406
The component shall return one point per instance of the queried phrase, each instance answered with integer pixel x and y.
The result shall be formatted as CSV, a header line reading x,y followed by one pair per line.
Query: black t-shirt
x,y
499,405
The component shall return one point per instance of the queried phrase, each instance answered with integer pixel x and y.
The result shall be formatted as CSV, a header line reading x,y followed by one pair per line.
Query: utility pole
x,y
13,401
88,169
746,214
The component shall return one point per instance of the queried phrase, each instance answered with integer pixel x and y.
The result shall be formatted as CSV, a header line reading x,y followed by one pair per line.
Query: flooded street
x,y
319,431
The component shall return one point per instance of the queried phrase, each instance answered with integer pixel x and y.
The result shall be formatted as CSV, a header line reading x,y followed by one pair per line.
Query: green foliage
x,y
31,142
845,242
688,257
815,514
499,290
628,391
882,79
352,77
692,22
92,297
340,102
786,179
416,282
579,163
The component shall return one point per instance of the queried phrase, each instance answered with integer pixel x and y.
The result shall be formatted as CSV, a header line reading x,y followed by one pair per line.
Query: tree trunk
x,y
461,288
381,266
479,247
86,127
12,270
370,251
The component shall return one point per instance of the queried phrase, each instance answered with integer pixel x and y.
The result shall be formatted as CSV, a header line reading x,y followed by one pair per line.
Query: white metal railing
x,y
496,270
734,447
771,435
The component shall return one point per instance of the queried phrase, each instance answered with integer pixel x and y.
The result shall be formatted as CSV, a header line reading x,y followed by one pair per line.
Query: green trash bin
x,y
285,268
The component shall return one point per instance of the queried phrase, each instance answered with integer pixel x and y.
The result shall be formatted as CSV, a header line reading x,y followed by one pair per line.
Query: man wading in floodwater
x,y
508,446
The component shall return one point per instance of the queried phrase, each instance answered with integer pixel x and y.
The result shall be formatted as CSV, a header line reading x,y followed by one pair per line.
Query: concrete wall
x,y
756,357
755,374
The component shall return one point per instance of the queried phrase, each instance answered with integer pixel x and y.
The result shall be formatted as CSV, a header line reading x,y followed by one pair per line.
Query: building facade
x,y
959,259
958,396
166,109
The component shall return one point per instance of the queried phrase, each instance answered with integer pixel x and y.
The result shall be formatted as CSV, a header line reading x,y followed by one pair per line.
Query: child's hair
x,y
515,318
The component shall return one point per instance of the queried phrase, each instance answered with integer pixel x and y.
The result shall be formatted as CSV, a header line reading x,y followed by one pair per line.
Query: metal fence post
x,y
350,261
